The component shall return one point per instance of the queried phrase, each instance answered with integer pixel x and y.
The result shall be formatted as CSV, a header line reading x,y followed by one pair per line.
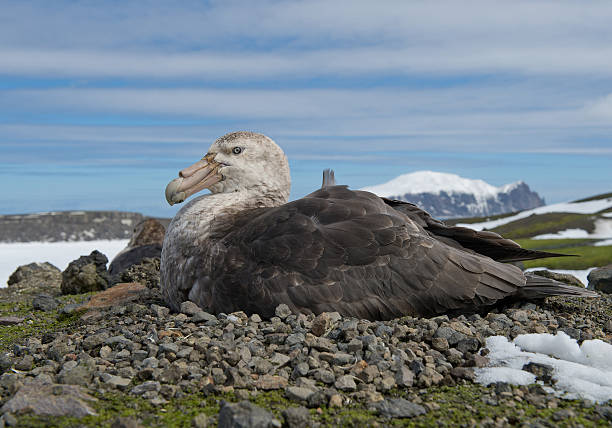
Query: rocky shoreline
x,y
121,357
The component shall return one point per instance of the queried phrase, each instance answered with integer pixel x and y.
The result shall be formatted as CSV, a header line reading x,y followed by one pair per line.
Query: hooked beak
x,y
201,175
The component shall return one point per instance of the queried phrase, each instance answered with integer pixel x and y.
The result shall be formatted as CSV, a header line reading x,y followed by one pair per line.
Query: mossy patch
x,y
588,257
36,323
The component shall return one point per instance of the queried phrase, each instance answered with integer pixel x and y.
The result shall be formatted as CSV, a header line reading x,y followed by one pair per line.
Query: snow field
x,y
59,254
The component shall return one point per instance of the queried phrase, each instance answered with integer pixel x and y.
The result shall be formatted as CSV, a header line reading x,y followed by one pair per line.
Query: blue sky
x,y
102,103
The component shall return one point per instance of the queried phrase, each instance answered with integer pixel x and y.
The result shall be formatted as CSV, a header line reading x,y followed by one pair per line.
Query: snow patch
x,y
603,243
583,371
432,182
603,229
589,207
59,254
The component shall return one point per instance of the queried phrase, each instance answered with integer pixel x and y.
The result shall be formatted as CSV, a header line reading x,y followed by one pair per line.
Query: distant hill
x,y
69,226
451,196
582,228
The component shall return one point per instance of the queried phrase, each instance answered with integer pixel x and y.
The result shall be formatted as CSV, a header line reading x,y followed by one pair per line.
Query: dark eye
x,y
237,150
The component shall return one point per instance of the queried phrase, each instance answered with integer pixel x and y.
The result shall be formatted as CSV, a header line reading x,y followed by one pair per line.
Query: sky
x,y
103,102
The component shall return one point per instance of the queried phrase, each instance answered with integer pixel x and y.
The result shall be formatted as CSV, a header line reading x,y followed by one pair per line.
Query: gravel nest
x,y
145,350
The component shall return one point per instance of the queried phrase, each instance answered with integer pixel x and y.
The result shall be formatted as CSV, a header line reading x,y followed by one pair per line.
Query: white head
x,y
237,162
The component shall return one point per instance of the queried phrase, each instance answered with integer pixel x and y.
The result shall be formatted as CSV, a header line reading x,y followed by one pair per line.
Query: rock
x,y
115,381
335,401
399,408
269,382
116,296
204,317
245,414
296,417
11,320
600,279
85,274
404,377
452,336
51,400
25,363
345,383
542,372
126,422
131,257
39,270
297,393
282,311
146,242
200,421
561,277
79,375
189,308
466,373
320,324
147,386
44,302
145,272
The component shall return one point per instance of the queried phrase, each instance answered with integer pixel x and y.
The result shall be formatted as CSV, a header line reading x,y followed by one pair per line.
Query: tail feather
x,y
328,178
538,287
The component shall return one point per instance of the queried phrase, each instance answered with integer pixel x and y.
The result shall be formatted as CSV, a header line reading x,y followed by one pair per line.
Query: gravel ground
x,y
294,370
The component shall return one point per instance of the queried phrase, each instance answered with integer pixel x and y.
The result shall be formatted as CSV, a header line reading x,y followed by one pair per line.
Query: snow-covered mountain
x,y
450,196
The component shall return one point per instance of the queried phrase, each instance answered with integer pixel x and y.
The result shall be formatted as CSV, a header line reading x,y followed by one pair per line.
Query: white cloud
x,y
225,40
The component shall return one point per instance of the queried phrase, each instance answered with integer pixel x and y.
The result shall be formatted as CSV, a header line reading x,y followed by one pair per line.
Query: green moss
x,y
458,405
546,223
36,323
554,244
588,257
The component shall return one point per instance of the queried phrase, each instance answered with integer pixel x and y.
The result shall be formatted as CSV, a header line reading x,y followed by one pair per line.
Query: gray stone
x,y
10,320
85,274
44,302
202,316
147,386
115,381
25,363
190,308
168,347
245,415
200,421
404,377
282,311
345,383
30,270
297,393
452,336
296,417
80,375
600,279
542,372
50,400
399,408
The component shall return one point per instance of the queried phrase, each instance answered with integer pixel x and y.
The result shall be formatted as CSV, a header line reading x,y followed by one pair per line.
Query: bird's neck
x,y
213,216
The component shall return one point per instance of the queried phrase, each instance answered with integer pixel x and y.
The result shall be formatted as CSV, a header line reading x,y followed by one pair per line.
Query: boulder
x,y
85,274
245,414
33,270
146,242
600,279
146,273
51,400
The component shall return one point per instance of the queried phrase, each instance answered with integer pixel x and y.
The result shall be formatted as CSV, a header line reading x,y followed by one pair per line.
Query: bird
x,y
246,247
